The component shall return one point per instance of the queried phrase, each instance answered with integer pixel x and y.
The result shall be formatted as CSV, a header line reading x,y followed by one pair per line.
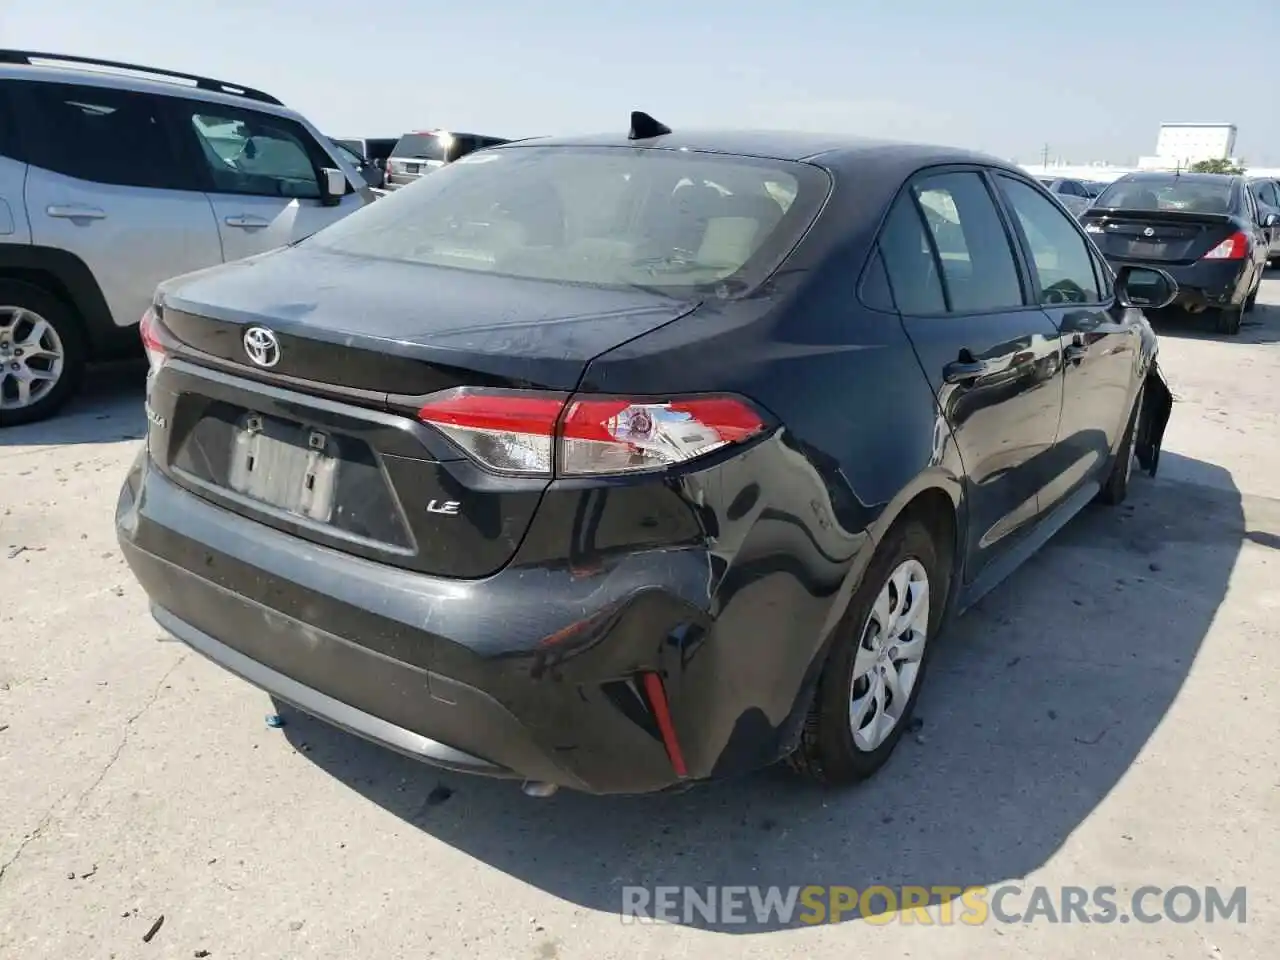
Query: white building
x,y
1179,145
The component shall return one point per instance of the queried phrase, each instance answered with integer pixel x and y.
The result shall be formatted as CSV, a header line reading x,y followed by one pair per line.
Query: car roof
x,y
119,80
829,150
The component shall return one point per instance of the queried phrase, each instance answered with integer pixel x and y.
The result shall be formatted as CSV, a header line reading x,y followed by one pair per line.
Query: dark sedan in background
x,y
1205,229
625,461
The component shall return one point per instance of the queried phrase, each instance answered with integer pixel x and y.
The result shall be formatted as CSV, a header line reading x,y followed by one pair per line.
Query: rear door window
x,y
979,271
910,262
8,132
101,134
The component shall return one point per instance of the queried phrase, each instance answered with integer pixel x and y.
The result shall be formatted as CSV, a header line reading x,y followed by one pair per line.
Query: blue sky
x,y
1091,78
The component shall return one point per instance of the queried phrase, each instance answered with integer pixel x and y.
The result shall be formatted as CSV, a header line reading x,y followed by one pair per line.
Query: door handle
x,y
75,211
963,371
246,222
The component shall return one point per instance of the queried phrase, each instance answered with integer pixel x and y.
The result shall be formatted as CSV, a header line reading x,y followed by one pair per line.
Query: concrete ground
x,y
1109,716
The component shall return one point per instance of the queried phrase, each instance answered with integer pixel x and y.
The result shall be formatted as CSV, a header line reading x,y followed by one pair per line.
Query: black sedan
x,y
1204,229
620,462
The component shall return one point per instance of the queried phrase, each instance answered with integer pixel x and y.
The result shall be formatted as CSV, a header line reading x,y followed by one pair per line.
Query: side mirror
x,y
334,187
1145,287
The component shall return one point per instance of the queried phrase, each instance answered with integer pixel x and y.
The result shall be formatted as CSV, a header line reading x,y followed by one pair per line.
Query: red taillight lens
x,y
506,431
1235,247
149,330
624,436
545,434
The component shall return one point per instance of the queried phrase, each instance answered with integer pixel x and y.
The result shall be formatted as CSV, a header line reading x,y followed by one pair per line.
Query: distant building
x,y
1179,145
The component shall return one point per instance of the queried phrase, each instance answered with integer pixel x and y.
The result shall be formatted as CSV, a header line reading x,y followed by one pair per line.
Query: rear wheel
x,y
1252,300
42,353
873,676
1228,319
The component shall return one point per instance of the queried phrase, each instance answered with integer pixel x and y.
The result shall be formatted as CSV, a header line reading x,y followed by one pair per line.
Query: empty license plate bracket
x,y
286,466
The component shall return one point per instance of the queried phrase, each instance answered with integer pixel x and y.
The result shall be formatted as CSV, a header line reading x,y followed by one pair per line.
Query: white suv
x,y
111,183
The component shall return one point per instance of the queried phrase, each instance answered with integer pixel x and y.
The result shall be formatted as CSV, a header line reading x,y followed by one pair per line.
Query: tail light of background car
x,y
1235,247
545,434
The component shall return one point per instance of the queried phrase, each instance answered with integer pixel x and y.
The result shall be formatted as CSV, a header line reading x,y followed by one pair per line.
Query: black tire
x,y
1227,320
1252,300
66,324
1116,487
827,752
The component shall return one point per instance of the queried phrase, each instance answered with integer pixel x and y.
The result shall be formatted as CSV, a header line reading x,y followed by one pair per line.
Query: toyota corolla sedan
x,y
622,462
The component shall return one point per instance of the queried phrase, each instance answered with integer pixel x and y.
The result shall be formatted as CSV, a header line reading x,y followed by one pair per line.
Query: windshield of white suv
x,y
603,216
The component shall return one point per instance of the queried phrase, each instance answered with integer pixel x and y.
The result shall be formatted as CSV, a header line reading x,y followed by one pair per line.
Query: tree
x,y
1216,166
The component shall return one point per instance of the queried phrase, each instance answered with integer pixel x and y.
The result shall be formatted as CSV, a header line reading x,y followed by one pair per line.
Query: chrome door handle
x,y
246,222
74,211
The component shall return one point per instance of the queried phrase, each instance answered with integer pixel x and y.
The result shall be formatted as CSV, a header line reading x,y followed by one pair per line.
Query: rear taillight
x,y
545,434
153,339
1235,247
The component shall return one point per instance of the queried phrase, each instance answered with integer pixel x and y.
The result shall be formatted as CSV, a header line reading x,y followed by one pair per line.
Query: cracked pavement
x,y
1107,716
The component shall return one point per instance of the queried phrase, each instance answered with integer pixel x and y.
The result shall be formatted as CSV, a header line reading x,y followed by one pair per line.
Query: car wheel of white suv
x,y
42,353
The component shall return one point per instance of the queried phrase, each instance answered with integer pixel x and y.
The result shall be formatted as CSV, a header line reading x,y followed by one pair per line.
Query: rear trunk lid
x,y
323,444
1158,236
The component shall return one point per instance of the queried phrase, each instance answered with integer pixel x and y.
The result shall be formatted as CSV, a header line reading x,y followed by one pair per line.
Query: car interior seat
x,y
1137,198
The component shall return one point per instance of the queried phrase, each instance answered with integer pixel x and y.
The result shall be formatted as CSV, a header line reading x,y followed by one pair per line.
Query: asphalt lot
x,y
1108,716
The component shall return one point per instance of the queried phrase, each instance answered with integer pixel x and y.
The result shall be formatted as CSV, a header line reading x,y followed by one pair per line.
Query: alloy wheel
x,y
32,357
890,654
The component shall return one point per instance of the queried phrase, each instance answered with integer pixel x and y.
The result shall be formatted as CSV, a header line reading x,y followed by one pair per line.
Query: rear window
x,y
1176,193
420,146
610,217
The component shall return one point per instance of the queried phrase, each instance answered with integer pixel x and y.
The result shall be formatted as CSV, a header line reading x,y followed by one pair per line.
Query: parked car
x,y
1266,194
1072,194
630,460
373,173
374,151
111,183
1205,229
418,153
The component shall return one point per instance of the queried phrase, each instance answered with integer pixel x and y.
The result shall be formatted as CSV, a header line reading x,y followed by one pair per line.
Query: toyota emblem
x,y
1148,232
262,346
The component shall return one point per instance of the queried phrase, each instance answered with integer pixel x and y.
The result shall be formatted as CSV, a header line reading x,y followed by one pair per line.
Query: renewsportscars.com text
x,y
933,905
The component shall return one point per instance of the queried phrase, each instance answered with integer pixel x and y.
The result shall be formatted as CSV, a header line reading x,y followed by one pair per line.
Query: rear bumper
x,y
532,673
394,181
1203,284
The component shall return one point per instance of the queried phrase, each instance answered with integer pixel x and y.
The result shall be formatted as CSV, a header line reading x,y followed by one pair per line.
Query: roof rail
x,y
25,57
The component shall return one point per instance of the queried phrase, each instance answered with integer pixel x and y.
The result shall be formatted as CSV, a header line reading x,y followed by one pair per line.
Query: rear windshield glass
x,y
420,146
601,216
1176,193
